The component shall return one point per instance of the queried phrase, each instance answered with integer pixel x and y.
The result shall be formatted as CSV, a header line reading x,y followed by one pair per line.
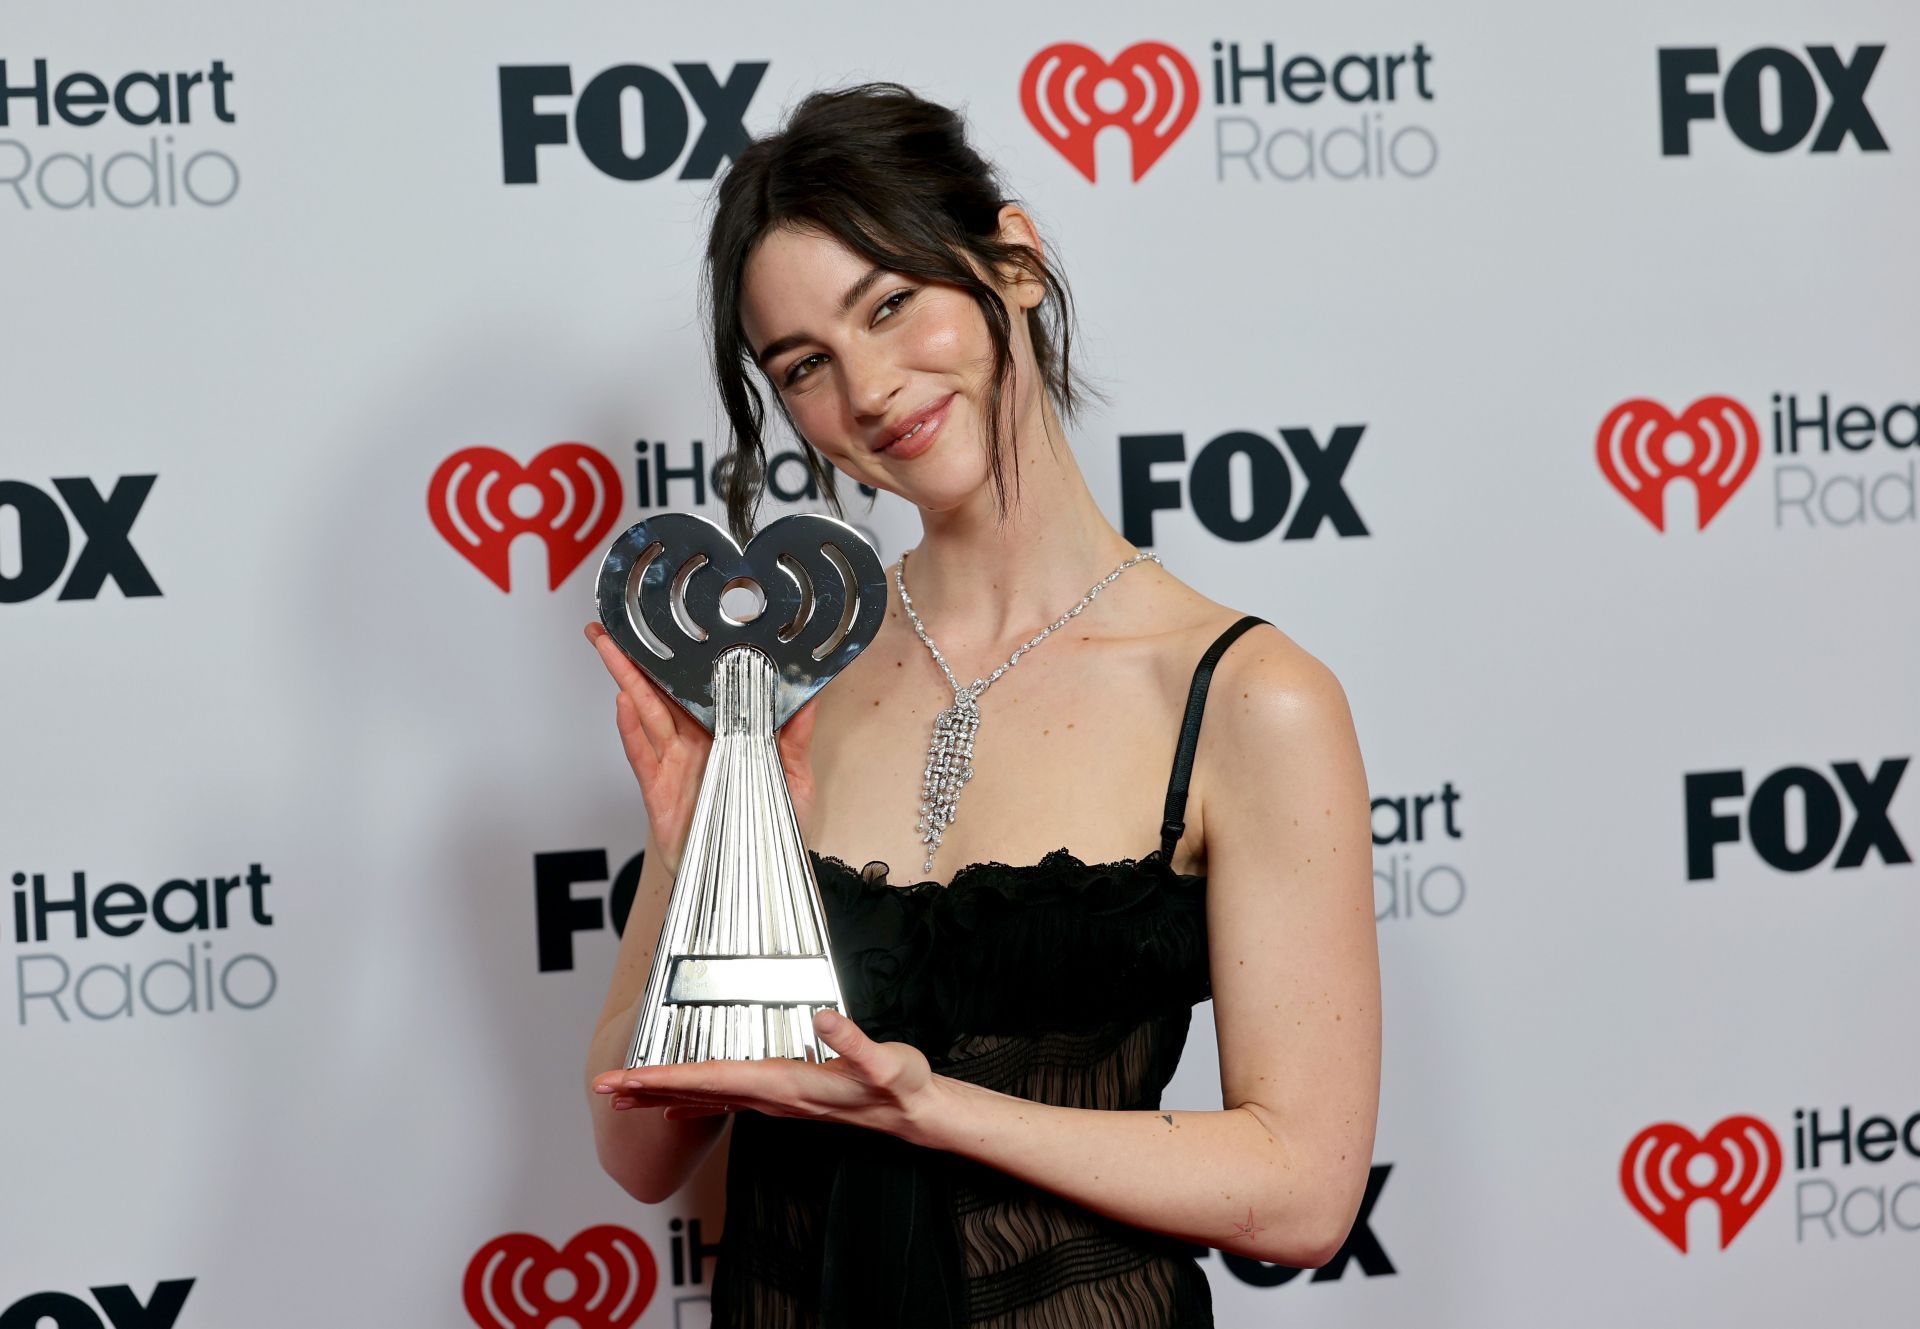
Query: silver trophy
x,y
743,962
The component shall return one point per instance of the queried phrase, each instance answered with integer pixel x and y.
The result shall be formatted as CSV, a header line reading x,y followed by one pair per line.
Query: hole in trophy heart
x,y
847,610
742,600
797,575
677,599
631,603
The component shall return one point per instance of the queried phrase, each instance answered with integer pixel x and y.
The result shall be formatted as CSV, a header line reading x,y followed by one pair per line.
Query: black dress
x,y
1061,982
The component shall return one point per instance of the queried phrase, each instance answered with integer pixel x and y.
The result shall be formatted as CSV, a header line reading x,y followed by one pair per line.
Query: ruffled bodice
x,y
1054,945
1062,982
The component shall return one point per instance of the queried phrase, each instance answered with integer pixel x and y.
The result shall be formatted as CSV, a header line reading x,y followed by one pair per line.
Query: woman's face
x,y
860,356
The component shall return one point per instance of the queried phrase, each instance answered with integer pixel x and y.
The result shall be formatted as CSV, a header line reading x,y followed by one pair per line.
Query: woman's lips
x,y
912,445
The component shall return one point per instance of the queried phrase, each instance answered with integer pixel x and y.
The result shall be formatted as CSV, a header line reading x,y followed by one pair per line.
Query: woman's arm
x,y
1279,1173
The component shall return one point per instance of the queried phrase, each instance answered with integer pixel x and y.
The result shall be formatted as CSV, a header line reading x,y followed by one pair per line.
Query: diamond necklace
x,y
950,757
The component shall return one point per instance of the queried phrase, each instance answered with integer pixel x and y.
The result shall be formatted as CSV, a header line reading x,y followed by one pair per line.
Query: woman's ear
x,y
1016,228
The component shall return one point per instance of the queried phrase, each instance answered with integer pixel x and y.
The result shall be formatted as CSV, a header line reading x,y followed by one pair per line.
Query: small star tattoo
x,y
1248,1228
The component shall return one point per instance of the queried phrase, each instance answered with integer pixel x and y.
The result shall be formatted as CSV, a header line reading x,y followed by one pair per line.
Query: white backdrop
x,y
374,1078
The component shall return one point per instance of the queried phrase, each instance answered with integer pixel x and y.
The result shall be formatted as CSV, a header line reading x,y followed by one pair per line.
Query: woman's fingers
x,y
673,1110
611,655
629,1098
863,1076
676,1111
674,1106
640,750
659,717
656,717
796,737
847,1040
703,1091
797,733
775,1085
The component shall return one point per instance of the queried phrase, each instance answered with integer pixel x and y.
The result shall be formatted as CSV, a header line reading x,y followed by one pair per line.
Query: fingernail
x,y
827,1020
603,1089
622,1104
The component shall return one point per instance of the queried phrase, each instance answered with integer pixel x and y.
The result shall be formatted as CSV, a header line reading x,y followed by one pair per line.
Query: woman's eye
x,y
799,369
893,302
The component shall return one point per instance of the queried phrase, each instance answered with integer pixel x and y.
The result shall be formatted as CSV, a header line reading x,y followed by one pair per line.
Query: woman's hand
x,y
667,749
882,1086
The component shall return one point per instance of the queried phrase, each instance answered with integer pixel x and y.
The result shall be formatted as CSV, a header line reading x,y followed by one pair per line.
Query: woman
x,y
988,1146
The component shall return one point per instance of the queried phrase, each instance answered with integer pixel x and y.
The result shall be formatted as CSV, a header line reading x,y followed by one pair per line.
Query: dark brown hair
x,y
892,177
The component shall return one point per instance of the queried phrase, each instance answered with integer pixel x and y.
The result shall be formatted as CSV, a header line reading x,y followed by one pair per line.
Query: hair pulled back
x,y
892,177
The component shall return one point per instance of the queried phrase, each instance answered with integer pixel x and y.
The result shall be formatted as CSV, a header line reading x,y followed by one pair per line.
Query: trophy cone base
x,y
733,1031
743,962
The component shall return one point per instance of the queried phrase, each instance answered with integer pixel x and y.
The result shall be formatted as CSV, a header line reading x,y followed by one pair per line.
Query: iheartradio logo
x,y
1149,91
602,1279
1643,447
1666,1168
481,499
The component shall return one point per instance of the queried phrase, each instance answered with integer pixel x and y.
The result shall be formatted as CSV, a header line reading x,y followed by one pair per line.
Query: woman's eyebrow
x,y
858,289
847,302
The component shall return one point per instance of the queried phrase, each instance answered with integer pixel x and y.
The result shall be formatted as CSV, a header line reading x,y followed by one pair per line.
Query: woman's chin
x,y
931,495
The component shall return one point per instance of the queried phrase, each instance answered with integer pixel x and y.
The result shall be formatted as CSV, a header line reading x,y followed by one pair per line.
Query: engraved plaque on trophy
x,y
743,962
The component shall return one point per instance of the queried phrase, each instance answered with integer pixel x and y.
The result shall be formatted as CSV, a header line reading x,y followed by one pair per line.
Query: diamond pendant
x,y
950,757
949,766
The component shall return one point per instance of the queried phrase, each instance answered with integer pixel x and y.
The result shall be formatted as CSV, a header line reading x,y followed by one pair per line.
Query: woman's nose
x,y
872,381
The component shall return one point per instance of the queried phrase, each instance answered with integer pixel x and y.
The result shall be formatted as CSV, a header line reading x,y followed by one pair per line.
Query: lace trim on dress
x,y
1061,944
1055,863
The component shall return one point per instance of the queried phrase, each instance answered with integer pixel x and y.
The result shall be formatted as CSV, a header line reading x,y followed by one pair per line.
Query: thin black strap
x,y
1172,828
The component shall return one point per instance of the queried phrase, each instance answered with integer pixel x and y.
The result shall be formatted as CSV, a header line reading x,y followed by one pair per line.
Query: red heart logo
x,y
470,499
1154,92
1742,1166
613,1277
1642,448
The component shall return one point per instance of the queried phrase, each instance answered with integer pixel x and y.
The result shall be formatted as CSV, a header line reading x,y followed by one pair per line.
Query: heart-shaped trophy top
x,y
823,595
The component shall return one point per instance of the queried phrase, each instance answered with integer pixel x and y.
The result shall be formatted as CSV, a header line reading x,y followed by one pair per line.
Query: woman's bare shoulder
x,y
1265,656
1267,693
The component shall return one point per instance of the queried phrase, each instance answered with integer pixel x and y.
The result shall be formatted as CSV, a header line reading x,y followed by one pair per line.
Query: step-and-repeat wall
x,y
1548,371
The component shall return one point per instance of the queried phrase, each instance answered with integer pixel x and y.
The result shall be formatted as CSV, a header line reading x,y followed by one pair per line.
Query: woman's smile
x,y
919,433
